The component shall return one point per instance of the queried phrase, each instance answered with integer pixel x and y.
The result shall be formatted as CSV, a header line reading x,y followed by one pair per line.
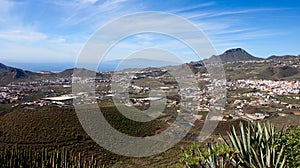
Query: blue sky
x,y
56,30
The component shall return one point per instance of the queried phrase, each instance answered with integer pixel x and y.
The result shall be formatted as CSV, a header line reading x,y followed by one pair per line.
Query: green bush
x,y
291,142
219,155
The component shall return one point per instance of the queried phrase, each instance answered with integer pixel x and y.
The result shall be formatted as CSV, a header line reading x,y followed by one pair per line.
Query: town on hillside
x,y
267,91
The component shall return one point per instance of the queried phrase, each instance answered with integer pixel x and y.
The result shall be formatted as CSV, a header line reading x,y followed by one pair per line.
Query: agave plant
x,y
256,146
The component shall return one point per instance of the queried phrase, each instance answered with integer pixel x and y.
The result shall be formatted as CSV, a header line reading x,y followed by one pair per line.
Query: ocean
x,y
105,66
54,67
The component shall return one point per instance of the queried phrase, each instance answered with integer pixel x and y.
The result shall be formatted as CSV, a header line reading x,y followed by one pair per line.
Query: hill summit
x,y
232,55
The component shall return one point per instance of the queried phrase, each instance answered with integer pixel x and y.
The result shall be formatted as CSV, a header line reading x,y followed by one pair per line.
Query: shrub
x,y
291,142
219,155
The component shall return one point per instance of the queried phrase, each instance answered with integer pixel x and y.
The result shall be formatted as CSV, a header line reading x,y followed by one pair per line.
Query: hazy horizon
x,y
105,66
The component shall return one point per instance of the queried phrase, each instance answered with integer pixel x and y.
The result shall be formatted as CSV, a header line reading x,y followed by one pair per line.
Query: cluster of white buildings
x,y
13,94
44,82
264,94
270,86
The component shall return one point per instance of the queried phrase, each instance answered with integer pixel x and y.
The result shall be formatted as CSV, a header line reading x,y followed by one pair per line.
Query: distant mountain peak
x,y
235,50
236,54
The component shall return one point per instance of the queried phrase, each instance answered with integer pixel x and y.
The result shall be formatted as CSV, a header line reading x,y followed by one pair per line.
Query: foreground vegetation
x,y
257,146
52,130
27,158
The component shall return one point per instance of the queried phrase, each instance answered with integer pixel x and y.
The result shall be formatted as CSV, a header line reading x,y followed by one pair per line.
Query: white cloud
x,y
46,51
89,1
94,12
5,7
242,36
234,31
192,7
210,14
22,35
6,12
59,40
227,29
245,11
14,29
